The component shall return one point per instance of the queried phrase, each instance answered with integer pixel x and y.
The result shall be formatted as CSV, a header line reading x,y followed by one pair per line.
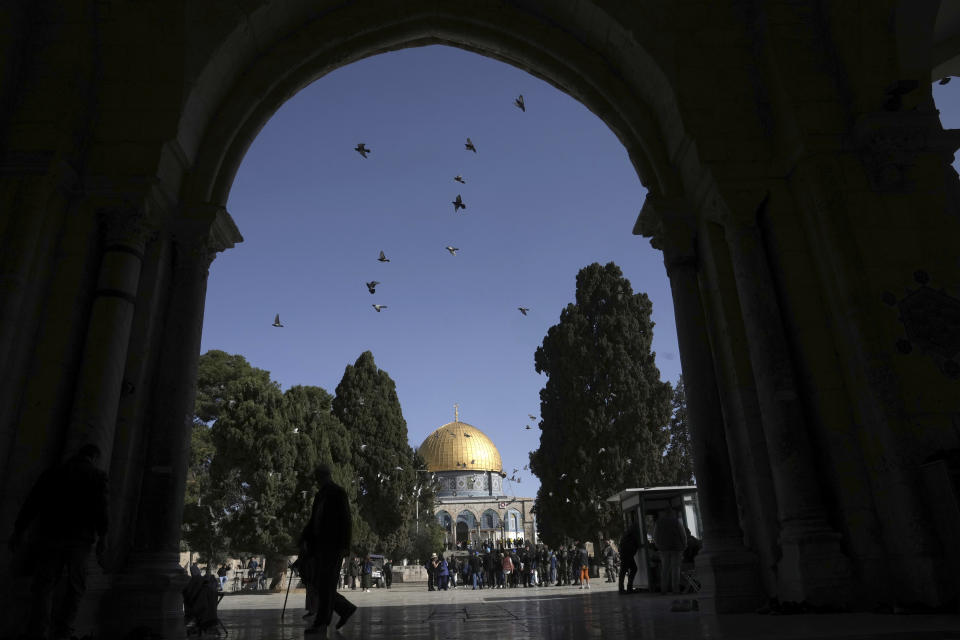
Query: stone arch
x,y
490,519
469,517
245,82
445,520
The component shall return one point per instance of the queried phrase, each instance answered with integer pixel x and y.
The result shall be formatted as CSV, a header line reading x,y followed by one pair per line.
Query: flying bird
x,y
469,145
576,481
562,476
568,499
531,416
528,427
602,449
383,258
515,471
458,204
453,250
276,321
378,307
398,468
523,310
372,286
629,461
362,149
362,447
459,178
518,101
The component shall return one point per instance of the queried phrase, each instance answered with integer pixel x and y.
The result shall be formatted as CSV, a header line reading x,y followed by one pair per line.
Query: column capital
x,y
125,223
671,225
202,231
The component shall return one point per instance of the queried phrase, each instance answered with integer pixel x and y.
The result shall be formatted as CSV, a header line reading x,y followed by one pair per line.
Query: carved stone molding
x,y
931,322
890,141
201,232
125,224
670,224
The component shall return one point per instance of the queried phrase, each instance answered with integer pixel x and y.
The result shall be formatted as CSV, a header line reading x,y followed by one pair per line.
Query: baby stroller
x,y
200,599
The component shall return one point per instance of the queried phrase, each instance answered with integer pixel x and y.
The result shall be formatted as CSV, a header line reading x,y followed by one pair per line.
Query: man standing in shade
x,y
66,512
671,539
324,543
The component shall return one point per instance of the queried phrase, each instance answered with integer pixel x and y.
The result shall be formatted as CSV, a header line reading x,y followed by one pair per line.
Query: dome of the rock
x,y
458,446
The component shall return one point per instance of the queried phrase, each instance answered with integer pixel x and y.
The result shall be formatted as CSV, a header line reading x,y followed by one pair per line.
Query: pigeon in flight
x,y
362,447
458,204
523,310
629,461
453,250
362,149
531,416
518,101
276,321
378,307
528,427
398,468
562,476
568,499
469,146
459,178
372,286
383,258
602,449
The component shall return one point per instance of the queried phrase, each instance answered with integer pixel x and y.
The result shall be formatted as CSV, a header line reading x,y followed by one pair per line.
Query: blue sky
x,y
548,192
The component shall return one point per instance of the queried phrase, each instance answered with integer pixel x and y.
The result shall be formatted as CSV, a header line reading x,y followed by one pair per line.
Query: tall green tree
x,y
604,409
384,464
678,459
254,451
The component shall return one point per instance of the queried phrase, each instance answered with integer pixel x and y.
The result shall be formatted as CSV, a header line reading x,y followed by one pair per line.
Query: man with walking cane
x,y
324,543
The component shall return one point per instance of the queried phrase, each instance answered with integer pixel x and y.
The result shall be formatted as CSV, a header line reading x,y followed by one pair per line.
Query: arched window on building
x,y
445,520
490,520
514,523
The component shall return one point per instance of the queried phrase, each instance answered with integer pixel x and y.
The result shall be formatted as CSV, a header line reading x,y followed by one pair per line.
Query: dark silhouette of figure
x,y
324,543
629,545
63,516
388,573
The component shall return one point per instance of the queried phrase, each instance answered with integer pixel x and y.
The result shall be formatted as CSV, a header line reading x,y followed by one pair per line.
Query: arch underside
x,y
311,51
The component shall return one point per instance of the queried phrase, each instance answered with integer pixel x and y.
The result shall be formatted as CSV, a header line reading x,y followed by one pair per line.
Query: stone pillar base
x,y
813,569
730,581
147,597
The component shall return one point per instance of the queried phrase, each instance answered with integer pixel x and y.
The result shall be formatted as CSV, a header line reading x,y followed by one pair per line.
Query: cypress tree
x,y
604,409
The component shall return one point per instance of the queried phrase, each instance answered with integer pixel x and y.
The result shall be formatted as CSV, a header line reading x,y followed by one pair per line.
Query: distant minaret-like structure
x,y
456,412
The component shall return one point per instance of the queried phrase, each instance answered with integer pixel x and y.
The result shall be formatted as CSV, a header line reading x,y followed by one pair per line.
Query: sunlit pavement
x,y
410,611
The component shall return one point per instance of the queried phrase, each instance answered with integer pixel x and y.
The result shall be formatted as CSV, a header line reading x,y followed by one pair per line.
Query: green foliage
x,y
254,451
678,460
366,403
604,409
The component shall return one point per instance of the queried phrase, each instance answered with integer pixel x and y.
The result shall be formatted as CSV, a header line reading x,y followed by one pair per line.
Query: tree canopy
x,y
678,459
385,465
604,410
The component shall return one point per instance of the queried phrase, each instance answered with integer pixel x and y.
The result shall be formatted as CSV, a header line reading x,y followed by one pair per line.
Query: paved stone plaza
x,y
409,611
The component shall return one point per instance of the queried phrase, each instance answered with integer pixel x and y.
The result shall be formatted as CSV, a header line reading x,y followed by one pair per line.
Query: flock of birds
x,y
457,202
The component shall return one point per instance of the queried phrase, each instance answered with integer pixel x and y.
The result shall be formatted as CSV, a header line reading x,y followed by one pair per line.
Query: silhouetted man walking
x,y
66,512
324,543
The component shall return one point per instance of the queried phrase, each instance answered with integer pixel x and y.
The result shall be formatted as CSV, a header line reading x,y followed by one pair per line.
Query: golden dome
x,y
458,446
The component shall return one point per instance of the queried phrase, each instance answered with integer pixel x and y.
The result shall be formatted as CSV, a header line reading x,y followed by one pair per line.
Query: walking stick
x,y
289,580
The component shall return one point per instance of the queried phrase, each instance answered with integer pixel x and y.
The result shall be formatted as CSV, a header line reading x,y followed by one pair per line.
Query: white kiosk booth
x,y
642,506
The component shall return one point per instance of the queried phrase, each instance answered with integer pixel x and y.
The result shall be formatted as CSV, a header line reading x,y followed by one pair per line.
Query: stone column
x,y
812,566
146,593
100,380
727,570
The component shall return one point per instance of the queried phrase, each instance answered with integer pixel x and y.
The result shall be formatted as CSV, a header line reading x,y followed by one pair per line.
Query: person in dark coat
x,y
324,543
66,513
671,539
388,573
629,545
